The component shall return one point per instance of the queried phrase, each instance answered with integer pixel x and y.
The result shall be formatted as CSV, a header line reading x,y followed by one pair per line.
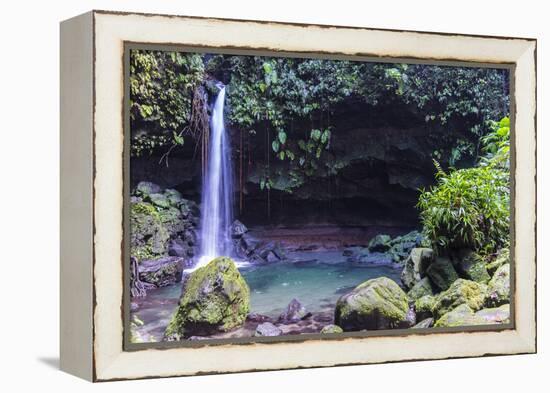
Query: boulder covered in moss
x,y
375,304
422,288
162,223
502,258
498,290
216,298
331,329
462,315
442,273
148,235
495,315
472,267
460,292
424,306
415,266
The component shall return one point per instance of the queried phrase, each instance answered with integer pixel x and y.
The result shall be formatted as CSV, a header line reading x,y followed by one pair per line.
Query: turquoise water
x,y
316,279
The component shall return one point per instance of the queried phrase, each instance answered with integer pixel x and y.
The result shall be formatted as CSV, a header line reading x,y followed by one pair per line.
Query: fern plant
x,y
469,208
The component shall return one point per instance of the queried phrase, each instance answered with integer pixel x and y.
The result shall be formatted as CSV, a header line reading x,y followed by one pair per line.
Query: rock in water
x,y
472,267
294,312
442,273
498,291
415,266
331,329
267,329
380,243
375,304
161,272
460,292
216,299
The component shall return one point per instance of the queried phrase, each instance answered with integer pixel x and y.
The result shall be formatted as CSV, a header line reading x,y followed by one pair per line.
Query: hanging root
x,y
199,122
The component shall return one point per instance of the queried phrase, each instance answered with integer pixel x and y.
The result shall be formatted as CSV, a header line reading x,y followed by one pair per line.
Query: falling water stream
x,y
217,190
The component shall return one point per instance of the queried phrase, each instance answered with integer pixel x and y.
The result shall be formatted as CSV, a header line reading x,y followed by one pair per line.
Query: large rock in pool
x,y
442,273
215,299
375,304
415,266
498,291
460,292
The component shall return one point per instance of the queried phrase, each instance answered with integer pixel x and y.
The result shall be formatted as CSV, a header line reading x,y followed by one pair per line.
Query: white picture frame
x,y
92,194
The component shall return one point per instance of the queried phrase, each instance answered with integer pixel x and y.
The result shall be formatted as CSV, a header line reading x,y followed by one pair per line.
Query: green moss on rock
x,y
460,292
460,316
415,266
424,306
375,304
498,290
216,299
331,329
148,235
495,315
503,257
442,273
472,267
421,288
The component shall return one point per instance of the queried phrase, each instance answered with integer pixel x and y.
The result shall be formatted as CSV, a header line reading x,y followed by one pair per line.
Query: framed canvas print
x,y
245,195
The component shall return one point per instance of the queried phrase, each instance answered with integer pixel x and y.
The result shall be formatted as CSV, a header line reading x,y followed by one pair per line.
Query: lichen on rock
x,y
375,304
460,292
216,298
498,290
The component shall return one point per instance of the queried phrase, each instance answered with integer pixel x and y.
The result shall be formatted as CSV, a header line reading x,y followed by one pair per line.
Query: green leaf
x,y
315,135
302,145
178,139
282,137
275,145
325,136
282,155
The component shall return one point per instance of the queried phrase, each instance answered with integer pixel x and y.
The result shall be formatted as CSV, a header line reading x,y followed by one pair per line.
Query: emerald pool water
x,y
317,279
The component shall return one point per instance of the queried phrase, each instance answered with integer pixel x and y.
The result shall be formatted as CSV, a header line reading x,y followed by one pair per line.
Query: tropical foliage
x,y
469,208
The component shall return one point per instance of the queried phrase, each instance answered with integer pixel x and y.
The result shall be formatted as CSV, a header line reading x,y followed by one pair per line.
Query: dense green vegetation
x,y
469,208
294,102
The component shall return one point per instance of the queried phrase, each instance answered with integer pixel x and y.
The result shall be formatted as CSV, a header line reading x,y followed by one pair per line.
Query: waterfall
x,y
217,190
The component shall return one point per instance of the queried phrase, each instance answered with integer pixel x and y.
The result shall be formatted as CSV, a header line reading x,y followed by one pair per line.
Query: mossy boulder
x,y
498,290
495,315
422,288
502,258
380,243
146,188
442,273
331,329
375,304
216,298
460,292
462,315
415,266
472,267
424,306
148,234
